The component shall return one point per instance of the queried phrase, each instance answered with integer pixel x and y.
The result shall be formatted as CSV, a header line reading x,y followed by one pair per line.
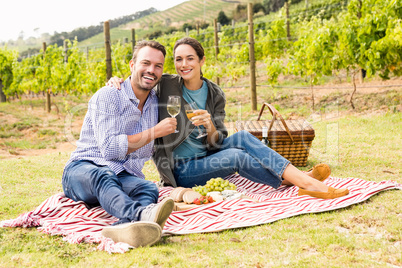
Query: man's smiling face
x,y
147,69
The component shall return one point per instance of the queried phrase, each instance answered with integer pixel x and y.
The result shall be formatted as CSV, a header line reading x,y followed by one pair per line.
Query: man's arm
x,y
163,128
107,121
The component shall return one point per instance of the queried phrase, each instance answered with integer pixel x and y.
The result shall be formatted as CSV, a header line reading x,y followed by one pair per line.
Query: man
x,y
116,140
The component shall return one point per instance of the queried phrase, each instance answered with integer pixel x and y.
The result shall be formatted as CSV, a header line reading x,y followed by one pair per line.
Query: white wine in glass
x,y
173,110
173,106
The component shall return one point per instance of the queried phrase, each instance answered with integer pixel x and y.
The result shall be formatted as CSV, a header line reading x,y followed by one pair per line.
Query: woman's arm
x,y
214,123
203,118
115,82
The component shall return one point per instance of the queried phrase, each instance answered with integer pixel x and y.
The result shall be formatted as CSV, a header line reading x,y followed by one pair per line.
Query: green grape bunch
x,y
214,185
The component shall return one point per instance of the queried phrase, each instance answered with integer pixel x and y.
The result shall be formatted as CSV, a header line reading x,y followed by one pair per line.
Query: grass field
x,y
364,235
365,143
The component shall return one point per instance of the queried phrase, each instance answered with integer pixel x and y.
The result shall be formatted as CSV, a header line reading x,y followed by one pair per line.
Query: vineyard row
x,y
364,35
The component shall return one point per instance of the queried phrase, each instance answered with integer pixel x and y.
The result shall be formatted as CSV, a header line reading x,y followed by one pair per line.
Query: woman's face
x,y
188,64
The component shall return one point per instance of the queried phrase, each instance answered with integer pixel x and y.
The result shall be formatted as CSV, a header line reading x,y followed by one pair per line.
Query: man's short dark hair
x,y
152,44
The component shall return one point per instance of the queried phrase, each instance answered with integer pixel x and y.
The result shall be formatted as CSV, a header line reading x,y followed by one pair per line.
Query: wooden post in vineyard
x,y
132,39
359,16
253,86
216,38
65,52
216,44
106,29
287,20
48,103
3,97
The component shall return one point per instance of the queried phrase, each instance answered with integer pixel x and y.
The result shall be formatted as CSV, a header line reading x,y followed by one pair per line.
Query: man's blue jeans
x,y
123,196
240,152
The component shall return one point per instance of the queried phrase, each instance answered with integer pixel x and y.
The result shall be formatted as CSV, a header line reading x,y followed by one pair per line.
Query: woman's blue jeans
x,y
242,153
123,196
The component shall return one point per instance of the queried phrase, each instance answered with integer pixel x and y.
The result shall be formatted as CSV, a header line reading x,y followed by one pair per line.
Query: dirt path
x,y
33,125
21,153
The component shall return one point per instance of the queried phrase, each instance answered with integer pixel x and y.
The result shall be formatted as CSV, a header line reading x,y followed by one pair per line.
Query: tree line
x,y
83,33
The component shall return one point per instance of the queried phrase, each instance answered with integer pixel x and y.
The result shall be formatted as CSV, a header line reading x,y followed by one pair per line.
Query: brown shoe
x,y
320,172
136,234
330,194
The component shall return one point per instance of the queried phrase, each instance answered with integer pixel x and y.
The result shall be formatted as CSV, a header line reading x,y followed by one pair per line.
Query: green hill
x,y
205,11
187,12
192,11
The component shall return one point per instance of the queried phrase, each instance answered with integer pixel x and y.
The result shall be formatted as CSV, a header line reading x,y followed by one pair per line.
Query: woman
x,y
184,160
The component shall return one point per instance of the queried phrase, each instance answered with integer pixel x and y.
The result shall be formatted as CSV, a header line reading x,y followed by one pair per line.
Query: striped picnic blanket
x,y
59,215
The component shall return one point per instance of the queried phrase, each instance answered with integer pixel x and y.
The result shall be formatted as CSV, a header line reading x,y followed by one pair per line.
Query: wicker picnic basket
x,y
290,138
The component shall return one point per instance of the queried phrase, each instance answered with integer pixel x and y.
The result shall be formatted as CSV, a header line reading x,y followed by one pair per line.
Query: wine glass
x,y
190,108
173,107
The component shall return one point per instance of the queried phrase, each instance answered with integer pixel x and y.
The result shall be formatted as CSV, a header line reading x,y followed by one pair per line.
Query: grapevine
x,y
367,35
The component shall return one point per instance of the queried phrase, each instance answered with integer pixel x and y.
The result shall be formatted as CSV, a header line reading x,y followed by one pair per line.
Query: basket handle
x,y
274,113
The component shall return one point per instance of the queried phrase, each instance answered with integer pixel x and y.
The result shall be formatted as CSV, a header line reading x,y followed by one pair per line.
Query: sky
x,y
35,17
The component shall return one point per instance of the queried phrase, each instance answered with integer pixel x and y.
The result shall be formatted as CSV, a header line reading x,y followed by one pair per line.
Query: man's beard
x,y
147,87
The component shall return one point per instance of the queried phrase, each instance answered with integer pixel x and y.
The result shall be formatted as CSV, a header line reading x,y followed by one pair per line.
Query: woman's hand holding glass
x,y
197,117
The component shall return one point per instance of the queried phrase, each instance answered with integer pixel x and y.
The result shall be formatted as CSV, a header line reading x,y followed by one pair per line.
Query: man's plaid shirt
x,y
112,115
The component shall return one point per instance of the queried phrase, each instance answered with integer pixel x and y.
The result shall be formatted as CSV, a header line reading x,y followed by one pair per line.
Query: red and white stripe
x,y
59,215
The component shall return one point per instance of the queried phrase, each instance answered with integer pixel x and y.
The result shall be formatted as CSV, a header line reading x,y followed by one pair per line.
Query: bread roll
x,y
189,196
